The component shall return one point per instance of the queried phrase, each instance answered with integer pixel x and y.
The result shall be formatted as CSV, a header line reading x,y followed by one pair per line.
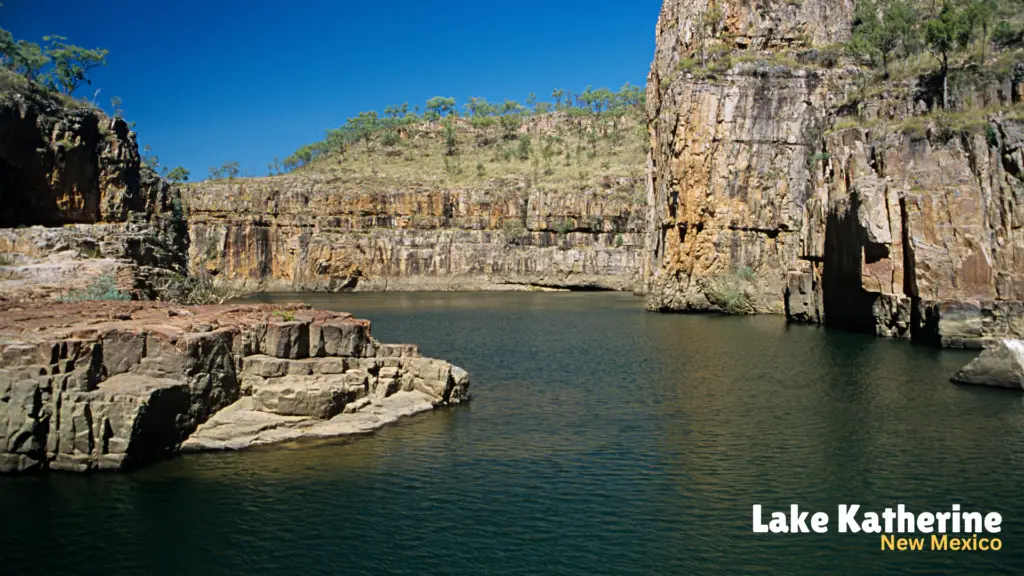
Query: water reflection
x,y
601,440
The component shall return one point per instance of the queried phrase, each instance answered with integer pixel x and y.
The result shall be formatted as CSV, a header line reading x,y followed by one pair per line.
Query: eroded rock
x,y
758,195
107,385
1000,365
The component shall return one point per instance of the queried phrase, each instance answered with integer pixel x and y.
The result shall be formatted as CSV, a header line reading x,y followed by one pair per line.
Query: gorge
x,y
768,171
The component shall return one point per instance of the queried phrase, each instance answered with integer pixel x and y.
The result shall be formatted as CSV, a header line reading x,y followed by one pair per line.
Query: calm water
x,y
601,440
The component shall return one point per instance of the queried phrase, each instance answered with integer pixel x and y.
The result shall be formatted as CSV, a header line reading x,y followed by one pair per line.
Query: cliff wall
x,y
317,233
78,201
779,184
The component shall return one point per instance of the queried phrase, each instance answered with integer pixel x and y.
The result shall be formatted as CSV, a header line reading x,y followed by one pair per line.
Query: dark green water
x,y
601,440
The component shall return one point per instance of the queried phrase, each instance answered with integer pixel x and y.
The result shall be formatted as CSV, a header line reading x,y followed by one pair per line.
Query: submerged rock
x,y
108,385
1001,365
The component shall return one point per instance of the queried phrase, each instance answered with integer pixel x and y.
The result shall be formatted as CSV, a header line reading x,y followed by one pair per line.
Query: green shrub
x,y
728,293
390,139
1005,34
746,273
102,287
565,226
619,240
514,230
524,147
991,136
819,157
286,315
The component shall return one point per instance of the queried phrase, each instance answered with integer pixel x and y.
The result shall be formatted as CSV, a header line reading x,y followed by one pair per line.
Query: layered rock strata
x,y
79,202
776,187
104,386
314,233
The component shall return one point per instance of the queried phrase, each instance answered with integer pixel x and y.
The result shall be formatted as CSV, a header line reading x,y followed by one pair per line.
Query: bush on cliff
x,y
197,288
102,287
728,293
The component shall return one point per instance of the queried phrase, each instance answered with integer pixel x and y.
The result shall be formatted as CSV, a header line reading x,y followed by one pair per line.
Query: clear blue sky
x,y
209,81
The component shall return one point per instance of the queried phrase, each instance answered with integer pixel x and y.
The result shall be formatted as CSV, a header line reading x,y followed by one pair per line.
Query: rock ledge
x,y
109,385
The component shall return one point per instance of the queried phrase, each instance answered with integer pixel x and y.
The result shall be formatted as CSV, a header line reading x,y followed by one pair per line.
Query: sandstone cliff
x,y
107,385
316,232
78,200
778,184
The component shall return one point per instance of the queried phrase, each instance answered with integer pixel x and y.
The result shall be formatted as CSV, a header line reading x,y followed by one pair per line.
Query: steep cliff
x,y
317,232
780,184
78,200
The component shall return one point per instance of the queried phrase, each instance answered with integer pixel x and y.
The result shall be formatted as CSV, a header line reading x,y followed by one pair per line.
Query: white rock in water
x,y
1000,365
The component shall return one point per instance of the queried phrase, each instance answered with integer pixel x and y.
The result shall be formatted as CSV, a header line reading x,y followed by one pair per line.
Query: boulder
x,y
1000,365
316,396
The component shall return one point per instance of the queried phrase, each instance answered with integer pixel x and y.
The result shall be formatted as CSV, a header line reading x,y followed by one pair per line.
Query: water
x,y
601,440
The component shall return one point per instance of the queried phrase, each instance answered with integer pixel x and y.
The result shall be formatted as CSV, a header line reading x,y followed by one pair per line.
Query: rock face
x,y
78,200
760,193
312,233
111,385
1001,365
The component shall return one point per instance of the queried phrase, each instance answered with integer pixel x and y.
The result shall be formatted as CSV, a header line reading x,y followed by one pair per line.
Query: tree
x,y
30,59
525,147
363,127
1005,34
943,34
602,99
630,95
981,13
586,98
879,39
178,175
226,170
558,94
8,48
451,138
72,64
865,29
438,107
115,102
897,29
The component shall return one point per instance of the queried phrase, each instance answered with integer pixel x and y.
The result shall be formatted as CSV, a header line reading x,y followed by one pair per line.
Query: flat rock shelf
x,y
109,385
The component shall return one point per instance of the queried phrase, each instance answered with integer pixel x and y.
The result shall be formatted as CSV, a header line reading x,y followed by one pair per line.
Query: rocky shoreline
x,y
113,385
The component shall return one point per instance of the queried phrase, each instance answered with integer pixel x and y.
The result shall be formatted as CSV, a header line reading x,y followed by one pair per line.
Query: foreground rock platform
x,y
110,385
1000,365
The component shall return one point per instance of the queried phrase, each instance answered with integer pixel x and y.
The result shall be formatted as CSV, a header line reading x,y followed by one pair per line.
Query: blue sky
x,y
210,81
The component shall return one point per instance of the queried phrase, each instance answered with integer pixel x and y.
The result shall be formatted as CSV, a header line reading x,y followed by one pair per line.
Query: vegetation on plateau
x,y
579,137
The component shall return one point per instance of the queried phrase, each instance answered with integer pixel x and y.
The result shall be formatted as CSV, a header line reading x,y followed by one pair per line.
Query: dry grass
x,y
563,153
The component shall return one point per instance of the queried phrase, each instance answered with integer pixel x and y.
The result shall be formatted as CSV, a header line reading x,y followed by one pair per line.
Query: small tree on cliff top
x,y
178,175
879,39
72,64
944,33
